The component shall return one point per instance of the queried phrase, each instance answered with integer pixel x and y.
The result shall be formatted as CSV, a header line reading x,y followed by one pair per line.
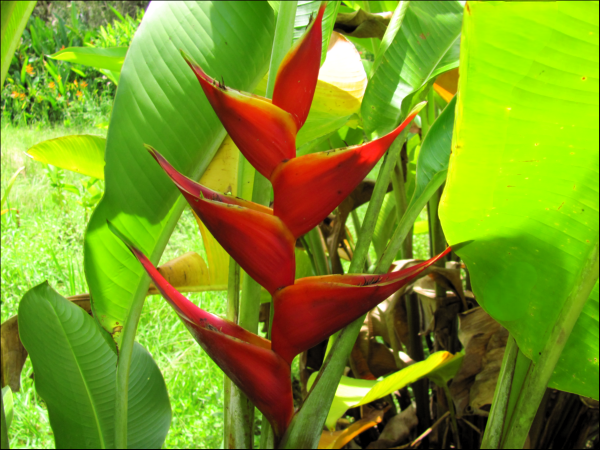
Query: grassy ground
x,y
44,241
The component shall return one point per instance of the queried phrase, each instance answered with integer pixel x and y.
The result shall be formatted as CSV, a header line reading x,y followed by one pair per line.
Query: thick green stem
x,y
305,430
538,377
493,430
4,430
237,406
123,366
438,240
250,301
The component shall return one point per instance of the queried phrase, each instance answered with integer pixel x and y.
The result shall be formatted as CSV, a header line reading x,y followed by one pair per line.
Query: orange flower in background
x,y
75,83
14,94
83,84
29,70
59,96
22,96
79,94
63,47
59,78
51,85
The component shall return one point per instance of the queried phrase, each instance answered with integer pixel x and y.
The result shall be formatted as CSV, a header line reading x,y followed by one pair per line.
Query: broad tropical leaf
x,y
523,176
307,10
80,153
440,367
413,52
75,373
102,58
14,18
160,103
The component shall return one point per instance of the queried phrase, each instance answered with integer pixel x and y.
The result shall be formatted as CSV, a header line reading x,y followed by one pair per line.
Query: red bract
x,y
244,357
260,242
310,187
196,190
297,75
264,133
312,309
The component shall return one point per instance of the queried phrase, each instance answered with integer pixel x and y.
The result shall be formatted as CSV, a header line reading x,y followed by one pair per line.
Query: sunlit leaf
x,y
101,58
412,52
440,367
523,176
14,18
80,153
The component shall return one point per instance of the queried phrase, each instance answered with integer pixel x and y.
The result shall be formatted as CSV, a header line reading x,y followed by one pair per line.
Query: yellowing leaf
x,y
440,367
221,175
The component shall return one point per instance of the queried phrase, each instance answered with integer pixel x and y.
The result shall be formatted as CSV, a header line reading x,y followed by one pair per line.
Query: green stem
x,y
452,415
250,301
305,429
538,377
402,229
495,424
123,366
401,205
236,405
438,240
313,239
4,430
430,107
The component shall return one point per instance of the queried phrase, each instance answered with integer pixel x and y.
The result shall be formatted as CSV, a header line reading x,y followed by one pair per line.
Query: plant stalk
x,y
4,431
537,379
495,424
124,365
261,193
305,429
415,351
315,244
452,415
237,407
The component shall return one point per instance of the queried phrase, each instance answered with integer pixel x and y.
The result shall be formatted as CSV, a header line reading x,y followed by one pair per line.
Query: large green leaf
x,y
75,371
523,176
412,53
159,102
102,58
14,19
440,367
80,153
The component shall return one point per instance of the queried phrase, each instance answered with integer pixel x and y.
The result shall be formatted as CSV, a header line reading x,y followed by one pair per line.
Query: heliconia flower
x,y
310,187
260,242
247,359
297,75
264,133
314,308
